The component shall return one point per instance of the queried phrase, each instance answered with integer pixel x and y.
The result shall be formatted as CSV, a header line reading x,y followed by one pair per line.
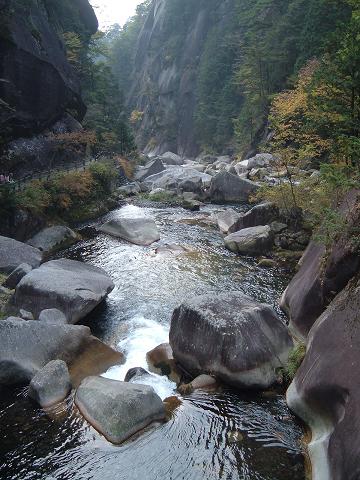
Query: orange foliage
x,y
126,165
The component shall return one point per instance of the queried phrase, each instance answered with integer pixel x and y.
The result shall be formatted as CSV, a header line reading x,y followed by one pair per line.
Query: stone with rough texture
x,y
250,241
140,231
75,288
52,238
226,187
151,168
14,253
16,275
118,410
161,361
232,337
260,160
227,219
173,176
51,384
262,214
52,315
27,346
170,158
322,273
326,390
135,374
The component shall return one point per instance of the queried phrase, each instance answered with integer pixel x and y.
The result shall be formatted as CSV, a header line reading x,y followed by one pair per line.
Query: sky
x,y
113,11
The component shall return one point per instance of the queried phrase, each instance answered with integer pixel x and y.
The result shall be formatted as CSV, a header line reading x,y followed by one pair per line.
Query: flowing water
x,y
223,435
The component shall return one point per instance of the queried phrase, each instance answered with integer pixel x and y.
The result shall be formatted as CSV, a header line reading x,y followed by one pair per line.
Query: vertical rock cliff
x,y
167,62
37,84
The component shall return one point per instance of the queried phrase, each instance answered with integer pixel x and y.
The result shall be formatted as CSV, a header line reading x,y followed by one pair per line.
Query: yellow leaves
x,y
136,117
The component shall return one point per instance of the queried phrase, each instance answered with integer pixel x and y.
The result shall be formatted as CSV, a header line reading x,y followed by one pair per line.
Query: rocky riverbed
x,y
211,433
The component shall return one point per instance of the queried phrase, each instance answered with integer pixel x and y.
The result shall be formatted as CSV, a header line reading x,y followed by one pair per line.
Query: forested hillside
x,y
201,75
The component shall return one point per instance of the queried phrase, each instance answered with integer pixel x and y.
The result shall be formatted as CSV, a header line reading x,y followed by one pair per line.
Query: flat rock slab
x,y
51,384
52,238
74,288
250,241
140,231
232,337
14,253
27,346
118,410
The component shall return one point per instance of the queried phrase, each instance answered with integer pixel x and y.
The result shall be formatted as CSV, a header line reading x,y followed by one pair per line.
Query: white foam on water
x,y
143,335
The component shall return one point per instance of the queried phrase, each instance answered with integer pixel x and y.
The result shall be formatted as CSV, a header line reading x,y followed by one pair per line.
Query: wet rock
x,y
72,287
151,168
14,253
171,249
52,238
227,219
267,263
51,384
161,361
52,315
199,383
16,275
231,336
262,214
192,205
118,410
226,187
325,392
27,346
250,241
135,374
140,231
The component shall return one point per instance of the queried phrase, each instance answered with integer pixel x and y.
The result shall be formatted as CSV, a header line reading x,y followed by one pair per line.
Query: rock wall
x,y
37,84
166,71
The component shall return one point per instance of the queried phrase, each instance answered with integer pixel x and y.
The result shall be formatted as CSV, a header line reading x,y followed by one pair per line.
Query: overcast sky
x,y
113,11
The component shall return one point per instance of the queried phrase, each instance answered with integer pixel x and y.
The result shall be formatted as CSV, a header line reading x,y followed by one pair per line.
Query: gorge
x,y
179,240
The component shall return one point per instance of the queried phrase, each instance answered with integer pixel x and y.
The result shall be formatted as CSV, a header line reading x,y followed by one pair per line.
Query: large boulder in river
x,y
140,231
170,158
27,346
227,219
226,187
323,273
53,238
173,176
262,214
14,253
232,337
74,288
326,390
118,410
51,384
250,241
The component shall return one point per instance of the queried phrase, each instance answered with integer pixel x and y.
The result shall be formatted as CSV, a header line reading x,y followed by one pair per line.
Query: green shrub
x,y
295,359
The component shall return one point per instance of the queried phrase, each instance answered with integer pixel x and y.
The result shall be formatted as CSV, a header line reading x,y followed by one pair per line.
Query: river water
x,y
222,435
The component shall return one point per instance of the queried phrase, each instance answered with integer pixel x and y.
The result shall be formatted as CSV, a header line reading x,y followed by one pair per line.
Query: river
x,y
223,435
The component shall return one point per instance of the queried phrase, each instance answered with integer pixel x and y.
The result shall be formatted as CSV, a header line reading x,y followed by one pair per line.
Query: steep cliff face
x,y
168,58
37,84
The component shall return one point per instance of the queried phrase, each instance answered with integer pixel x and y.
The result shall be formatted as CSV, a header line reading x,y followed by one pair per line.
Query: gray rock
x,y
14,253
135,374
230,336
151,168
16,275
250,241
172,177
27,346
226,187
260,160
170,158
52,238
130,189
278,227
52,315
261,214
25,315
140,231
51,384
242,167
72,287
118,410
227,219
